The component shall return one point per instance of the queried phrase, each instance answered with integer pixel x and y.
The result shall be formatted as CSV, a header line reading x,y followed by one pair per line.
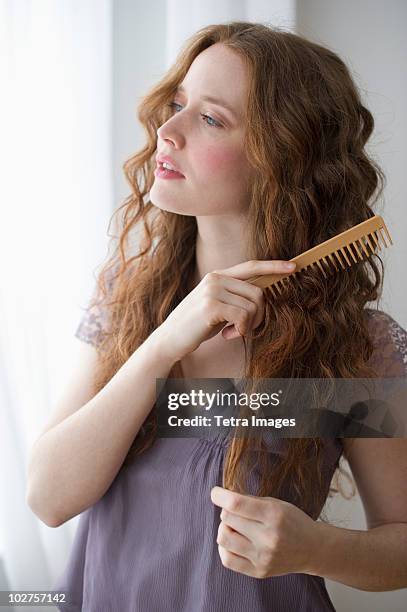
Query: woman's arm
x,y
74,462
373,560
376,559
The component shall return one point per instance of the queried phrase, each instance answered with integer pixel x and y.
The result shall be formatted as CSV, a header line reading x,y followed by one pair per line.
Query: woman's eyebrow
x,y
214,100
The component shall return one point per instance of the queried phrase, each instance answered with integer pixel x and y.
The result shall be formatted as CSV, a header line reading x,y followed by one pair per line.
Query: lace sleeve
x,y
389,357
95,320
90,328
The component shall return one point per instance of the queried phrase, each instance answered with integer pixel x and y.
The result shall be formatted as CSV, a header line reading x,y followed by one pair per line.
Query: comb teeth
x,y
338,253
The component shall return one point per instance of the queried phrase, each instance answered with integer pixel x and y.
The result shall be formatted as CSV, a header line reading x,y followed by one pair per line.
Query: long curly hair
x,y
306,134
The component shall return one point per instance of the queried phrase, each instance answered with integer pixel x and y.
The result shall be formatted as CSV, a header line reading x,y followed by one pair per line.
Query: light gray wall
x,y
139,52
369,35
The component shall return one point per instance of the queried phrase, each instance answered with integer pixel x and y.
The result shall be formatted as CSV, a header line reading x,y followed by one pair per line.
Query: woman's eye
x,y
204,117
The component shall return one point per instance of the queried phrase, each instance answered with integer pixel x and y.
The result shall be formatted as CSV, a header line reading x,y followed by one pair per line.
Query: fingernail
x,y
289,265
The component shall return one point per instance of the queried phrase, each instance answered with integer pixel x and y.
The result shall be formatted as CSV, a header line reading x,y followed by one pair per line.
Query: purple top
x,y
149,544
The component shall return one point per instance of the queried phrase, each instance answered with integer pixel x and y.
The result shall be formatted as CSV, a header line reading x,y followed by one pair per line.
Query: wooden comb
x,y
344,249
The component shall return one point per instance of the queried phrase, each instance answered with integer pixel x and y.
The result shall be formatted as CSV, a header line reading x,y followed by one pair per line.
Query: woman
x,y
267,133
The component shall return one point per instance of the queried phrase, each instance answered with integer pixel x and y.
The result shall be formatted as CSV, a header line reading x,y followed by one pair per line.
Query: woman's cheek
x,y
219,163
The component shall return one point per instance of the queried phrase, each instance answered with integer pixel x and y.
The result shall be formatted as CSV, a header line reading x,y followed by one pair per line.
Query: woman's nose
x,y
172,130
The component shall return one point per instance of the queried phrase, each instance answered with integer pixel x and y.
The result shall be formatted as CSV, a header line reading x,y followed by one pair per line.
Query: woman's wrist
x,y
160,345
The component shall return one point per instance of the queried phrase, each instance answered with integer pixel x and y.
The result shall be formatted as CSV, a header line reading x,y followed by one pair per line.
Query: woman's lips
x,y
166,159
163,173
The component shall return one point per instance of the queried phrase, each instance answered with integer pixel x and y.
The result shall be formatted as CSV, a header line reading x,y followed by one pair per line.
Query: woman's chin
x,y
172,207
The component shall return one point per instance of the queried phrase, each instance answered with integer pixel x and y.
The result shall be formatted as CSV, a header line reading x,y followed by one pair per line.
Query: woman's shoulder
x,y
382,325
390,343
95,320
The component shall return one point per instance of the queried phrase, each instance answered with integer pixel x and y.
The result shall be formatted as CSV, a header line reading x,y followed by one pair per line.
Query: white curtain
x,y
185,17
56,200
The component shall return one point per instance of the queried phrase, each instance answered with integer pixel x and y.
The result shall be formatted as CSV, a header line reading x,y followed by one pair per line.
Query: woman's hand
x,y
221,297
264,536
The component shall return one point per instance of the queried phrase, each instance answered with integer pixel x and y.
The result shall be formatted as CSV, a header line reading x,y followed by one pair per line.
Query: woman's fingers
x,y
235,290
255,267
254,306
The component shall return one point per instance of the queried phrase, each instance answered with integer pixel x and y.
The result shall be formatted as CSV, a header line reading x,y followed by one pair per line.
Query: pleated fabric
x,y
149,544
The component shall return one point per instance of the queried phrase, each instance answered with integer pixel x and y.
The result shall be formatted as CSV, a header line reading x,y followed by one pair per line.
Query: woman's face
x,y
208,151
